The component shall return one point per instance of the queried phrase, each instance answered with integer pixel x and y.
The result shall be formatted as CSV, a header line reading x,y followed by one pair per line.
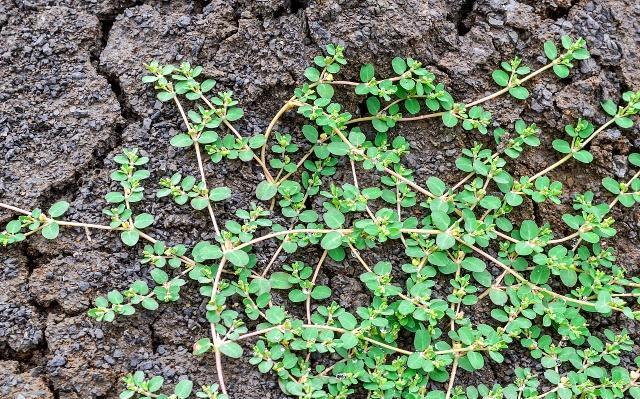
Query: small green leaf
x,y
476,360
561,146
312,74
155,383
519,92
265,190
561,71
159,276
114,197
165,96
13,227
233,114
366,73
183,388
583,156
528,230
331,240
611,185
238,257
181,140
130,237
202,346
275,315
208,137
449,119
207,85
498,297
445,241
399,65
219,194
349,340
634,159
473,264
58,209
624,122
231,349
500,77
610,107
321,292
333,218
149,304
310,133
325,90
568,277
143,220
51,230
373,105
550,50
347,320
412,105
540,274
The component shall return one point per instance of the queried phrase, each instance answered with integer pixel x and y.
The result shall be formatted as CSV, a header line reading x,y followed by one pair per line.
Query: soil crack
x,y
463,14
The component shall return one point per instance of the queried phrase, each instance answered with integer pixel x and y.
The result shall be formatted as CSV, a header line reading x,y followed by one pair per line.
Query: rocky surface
x,y
71,97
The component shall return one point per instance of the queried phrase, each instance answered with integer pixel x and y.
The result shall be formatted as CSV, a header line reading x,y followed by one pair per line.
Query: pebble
x,y
57,361
184,21
620,165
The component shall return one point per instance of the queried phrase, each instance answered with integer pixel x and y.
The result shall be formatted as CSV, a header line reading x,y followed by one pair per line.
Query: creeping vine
x,y
411,340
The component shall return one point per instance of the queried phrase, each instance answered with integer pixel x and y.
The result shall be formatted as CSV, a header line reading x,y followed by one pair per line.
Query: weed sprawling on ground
x,y
411,340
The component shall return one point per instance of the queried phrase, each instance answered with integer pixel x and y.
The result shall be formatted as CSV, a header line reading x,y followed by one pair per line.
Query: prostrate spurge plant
x,y
410,341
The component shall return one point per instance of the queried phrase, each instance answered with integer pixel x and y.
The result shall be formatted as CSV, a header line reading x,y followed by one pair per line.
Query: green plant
x,y
411,340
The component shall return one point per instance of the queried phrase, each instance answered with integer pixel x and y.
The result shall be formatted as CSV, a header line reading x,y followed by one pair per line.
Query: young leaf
x,y
331,240
583,156
347,320
528,230
624,122
449,119
333,218
399,65
181,140
519,92
366,73
500,77
143,220
51,230
238,257
183,388
265,190
58,209
610,107
550,50
561,71
231,349
312,74
325,90
219,194
130,237
476,360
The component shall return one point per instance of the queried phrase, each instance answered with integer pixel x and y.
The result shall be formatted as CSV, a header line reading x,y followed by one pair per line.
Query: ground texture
x,y
71,97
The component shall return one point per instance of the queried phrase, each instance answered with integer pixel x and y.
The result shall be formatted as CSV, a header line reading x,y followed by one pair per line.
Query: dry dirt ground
x,y
71,98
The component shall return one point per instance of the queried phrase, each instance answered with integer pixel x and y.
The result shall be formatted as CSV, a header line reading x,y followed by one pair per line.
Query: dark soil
x,y
71,98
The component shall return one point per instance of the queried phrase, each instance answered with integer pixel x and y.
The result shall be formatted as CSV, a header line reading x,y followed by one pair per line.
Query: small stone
x,y
495,21
57,361
612,134
184,21
619,165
